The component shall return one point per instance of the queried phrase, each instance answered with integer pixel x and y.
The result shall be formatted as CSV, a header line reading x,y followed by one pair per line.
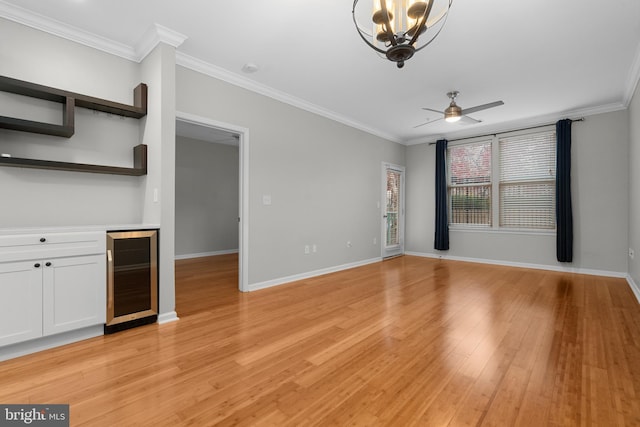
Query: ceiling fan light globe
x,y
453,113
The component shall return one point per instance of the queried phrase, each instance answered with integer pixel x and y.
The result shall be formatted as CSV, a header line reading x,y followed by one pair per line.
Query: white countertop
x,y
76,229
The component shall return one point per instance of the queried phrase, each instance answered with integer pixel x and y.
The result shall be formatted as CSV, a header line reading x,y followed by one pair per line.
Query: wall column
x,y
158,71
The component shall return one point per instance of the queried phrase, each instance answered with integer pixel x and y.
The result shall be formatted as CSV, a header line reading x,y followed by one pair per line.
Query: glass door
x,y
393,212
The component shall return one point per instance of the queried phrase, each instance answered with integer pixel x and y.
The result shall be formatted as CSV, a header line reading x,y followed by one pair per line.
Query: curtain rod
x,y
581,119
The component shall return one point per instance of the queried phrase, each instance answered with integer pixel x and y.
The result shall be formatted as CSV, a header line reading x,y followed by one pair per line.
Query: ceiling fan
x,y
453,113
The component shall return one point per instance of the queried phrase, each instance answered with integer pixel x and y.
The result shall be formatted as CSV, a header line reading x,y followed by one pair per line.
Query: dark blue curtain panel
x,y
442,221
564,213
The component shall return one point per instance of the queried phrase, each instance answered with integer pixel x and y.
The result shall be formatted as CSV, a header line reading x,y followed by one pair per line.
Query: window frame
x,y
495,184
490,184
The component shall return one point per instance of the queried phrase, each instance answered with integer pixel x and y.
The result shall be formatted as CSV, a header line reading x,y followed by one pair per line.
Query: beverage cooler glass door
x,y
132,275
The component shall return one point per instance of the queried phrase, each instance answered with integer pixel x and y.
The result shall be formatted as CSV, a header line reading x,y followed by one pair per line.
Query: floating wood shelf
x,y
36,127
70,100
139,164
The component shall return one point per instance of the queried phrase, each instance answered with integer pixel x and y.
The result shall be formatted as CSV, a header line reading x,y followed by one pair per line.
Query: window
x,y
470,183
513,172
527,181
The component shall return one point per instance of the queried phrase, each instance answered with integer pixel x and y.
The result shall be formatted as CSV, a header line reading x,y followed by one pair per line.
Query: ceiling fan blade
x,y
469,120
426,123
481,107
435,111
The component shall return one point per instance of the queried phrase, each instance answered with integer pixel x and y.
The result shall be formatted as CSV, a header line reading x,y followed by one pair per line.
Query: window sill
x,y
502,230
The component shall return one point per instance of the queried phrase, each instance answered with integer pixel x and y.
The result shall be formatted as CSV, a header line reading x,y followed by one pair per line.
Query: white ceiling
x,y
545,59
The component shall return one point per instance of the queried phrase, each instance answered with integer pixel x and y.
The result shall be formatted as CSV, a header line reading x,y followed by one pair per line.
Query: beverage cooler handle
x,y
110,282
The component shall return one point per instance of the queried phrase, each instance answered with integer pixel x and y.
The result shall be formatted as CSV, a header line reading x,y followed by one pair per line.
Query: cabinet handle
x,y
36,265
42,239
48,264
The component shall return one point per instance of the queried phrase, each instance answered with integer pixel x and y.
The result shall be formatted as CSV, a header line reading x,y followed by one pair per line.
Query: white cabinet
x,y
73,293
51,284
20,302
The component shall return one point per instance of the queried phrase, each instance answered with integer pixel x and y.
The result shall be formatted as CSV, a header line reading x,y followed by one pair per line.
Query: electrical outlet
x,y
306,249
632,253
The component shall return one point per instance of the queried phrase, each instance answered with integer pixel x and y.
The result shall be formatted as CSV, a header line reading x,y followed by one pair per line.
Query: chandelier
x,y
400,28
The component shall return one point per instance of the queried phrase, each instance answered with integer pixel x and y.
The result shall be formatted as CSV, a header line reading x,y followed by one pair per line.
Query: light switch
x,y
266,199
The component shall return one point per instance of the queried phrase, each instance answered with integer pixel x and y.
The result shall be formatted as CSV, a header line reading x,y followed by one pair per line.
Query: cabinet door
x,y
20,301
74,293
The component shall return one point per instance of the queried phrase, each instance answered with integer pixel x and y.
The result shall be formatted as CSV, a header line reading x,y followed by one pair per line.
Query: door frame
x,y
399,250
243,225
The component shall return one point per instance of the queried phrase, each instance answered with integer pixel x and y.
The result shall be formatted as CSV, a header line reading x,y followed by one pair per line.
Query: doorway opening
x,y
211,192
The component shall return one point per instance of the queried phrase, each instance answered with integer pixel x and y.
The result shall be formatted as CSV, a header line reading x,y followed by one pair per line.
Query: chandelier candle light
x,y
399,24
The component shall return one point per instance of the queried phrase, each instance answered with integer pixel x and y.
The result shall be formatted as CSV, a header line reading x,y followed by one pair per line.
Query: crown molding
x,y
515,125
632,79
219,73
154,35
60,29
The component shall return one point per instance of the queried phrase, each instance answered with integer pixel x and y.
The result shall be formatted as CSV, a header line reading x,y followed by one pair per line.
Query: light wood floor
x,y
410,341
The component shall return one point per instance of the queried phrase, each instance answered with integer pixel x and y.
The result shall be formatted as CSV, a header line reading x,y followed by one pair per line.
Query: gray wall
x,y
324,179
634,186
33,197
206,197
159,133
600,186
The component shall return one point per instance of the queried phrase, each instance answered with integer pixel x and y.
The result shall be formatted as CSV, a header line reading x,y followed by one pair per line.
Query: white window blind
x,y
527,181
470,183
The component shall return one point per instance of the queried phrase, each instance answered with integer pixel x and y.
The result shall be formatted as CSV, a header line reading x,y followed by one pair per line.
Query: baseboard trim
x,y
310,274
205,254
39,344
564,269
634,287
169,317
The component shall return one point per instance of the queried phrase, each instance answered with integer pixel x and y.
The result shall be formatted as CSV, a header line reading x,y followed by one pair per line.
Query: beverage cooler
x,y
132,279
